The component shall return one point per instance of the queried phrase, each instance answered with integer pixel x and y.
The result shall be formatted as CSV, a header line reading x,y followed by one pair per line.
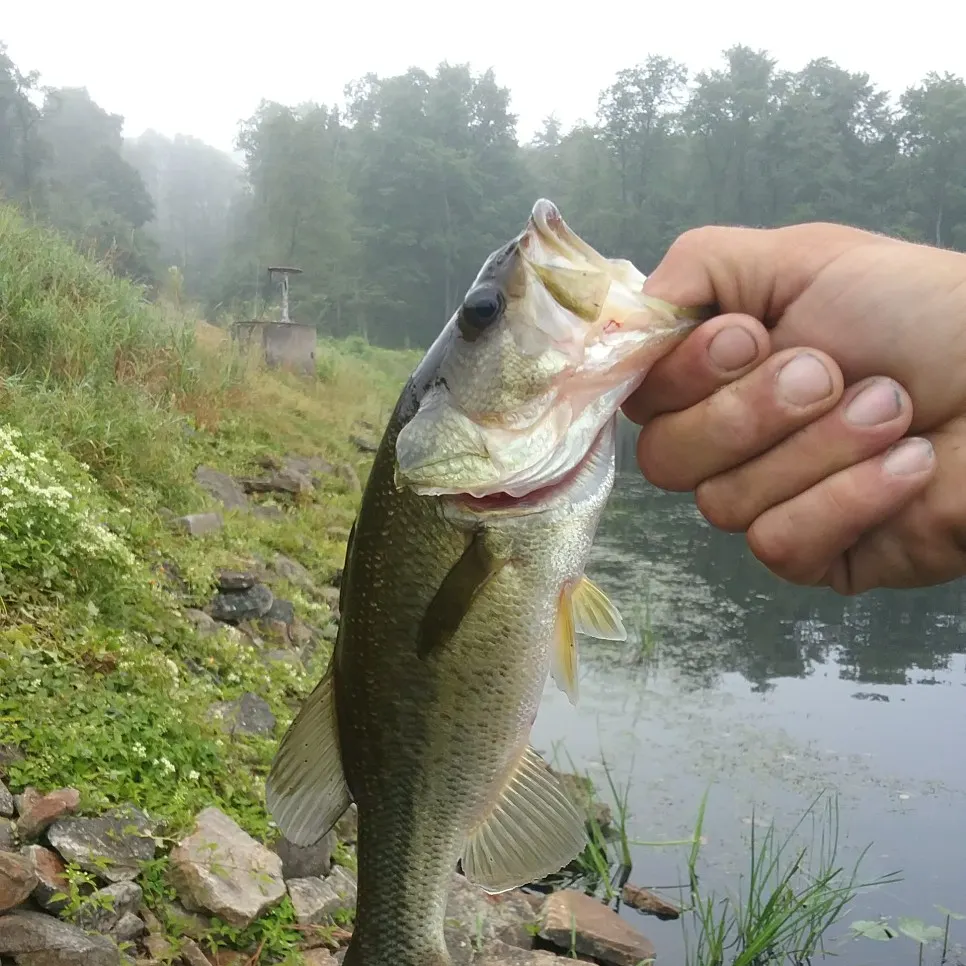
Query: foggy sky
x,y
199,66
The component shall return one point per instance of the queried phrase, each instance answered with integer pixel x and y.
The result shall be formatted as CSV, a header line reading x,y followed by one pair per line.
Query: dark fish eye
x,y
480,309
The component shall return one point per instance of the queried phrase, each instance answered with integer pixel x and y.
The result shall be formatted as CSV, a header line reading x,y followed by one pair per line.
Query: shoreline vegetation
x,y
172,530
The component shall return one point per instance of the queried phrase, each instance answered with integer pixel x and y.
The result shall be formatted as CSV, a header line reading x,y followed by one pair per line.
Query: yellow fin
x,y
306,792
594,614
579,290
533,831
564,658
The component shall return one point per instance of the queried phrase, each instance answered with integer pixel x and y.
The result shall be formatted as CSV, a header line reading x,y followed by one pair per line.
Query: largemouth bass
x,y
464,587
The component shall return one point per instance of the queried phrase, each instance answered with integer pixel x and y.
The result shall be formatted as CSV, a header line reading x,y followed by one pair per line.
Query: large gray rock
x,y
36,939
306,861
17,879
317,900
292,571
496,953
104,908
509,917
249,714
129,927
8,836
573,920
222,487
236,606
6,801
222,870
112,847
199,524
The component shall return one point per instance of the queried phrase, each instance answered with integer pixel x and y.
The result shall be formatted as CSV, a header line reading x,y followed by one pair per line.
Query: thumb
x,y
753,271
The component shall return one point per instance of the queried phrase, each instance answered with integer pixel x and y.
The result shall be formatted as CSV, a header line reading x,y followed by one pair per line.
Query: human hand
x,y
787,432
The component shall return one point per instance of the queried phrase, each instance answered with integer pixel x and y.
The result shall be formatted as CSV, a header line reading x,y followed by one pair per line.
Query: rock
x,y
222,870
317,900
8,836
571,919
17,879
508,917
222,487
38,811
330,632
496,953
102,910
159,948
198,524
129,927
281,612
6,801
204,624
330,595
364,445
112,847
36,939
318,957
649,902
347,827
49,869
229,580
269,512
314,467
286,480
278,655
237,606
347,473
292,571
192,955
249,714
303,862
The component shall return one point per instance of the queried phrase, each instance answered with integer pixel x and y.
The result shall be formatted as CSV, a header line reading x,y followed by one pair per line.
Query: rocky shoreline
x,y
109,890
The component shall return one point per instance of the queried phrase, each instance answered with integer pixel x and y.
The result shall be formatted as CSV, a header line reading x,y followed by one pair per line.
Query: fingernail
x,y
877,403
732,348
804,380
908,457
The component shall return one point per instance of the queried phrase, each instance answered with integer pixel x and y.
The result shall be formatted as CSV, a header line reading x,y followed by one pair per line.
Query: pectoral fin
x,y
533,830
456,594
306,792
594,614
564,658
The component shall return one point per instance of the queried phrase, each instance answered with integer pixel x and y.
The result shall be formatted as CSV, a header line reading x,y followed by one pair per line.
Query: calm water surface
x,y
770,694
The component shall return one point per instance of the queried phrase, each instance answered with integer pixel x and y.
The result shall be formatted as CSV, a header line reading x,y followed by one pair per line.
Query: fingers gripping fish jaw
x,y
549,341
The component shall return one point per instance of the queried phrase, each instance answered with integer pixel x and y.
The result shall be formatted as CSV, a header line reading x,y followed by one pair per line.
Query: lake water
x,y
768,694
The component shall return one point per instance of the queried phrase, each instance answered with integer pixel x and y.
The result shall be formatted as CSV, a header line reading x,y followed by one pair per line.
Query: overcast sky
x,y
198,66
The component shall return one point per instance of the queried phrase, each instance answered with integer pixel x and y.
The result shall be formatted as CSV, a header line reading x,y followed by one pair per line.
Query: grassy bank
x,y
107,406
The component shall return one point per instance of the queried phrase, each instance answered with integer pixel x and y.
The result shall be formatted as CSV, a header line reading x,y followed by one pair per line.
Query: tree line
x,y
390,201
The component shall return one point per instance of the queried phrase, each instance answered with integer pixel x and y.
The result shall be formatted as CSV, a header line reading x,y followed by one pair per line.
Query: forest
x,y
390,200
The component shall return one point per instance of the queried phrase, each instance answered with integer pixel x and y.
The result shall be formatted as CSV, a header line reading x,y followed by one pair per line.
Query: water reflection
x,y
770,694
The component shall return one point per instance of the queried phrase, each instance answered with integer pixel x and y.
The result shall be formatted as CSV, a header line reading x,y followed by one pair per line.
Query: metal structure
x,y
276,271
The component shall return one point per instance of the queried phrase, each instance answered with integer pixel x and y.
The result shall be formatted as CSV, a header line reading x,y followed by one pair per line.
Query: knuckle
x,y
718,502
735,424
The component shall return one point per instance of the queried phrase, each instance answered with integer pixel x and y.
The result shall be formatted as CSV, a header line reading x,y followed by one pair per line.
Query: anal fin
x,y
533,830
306,792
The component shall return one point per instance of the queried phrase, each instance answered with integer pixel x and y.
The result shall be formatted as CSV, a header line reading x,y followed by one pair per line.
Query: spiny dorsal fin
x,y
456,595
533,830
594,614
306,792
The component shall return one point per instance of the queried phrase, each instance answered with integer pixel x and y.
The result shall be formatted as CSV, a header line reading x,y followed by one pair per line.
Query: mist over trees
x,y
390,200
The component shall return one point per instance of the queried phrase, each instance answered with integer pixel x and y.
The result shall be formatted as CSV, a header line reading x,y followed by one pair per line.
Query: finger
x,y
870,417
676,451
758,271
801,539
718,352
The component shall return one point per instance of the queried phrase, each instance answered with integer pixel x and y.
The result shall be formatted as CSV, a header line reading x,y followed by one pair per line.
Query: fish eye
x,y
480,309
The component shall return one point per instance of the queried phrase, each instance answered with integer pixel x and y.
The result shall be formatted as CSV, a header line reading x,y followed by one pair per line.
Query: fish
x,y
464,589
